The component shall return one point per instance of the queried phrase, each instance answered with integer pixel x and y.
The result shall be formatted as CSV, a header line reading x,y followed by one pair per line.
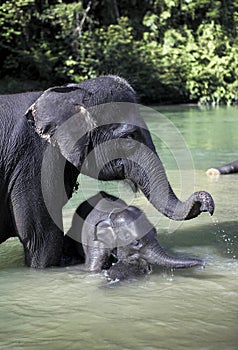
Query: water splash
x,y
228,240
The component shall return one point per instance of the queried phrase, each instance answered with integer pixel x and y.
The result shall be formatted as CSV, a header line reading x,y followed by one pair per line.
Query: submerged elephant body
x,y
48,138
104,227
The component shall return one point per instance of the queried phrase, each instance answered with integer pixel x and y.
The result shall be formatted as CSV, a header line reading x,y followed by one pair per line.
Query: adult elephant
x,y
230,168
48,138
105,228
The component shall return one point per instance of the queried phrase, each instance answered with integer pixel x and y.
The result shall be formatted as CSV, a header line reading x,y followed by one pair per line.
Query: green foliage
x,y
214,72
170,50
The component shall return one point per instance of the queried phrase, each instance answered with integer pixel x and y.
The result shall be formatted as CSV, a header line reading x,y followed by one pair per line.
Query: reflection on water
x,y
188,309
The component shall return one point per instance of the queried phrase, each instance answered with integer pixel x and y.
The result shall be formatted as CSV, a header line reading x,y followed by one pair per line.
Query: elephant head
x,y
105,227
133,223
97,128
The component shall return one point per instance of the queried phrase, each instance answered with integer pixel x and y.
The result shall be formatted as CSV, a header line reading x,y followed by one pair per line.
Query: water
x,y
188,309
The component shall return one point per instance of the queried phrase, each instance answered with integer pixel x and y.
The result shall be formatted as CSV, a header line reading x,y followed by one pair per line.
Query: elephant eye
x,y
131,136
136,244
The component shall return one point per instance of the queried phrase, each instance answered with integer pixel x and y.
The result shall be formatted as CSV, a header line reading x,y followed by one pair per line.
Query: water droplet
x,y
225,239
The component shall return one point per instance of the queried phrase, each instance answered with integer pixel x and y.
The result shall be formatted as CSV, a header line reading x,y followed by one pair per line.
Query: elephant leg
x,y
42,239
73,252
4,237
45,252
5,234
96,258
6,223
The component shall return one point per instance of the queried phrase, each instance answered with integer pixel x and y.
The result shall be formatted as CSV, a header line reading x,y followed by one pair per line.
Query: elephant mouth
x,y
113,170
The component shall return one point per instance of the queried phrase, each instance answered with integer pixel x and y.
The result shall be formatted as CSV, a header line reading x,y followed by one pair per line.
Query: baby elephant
x,y
107,231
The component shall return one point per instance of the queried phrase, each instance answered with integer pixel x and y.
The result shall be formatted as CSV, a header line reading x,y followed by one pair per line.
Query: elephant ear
x,y
60,117
104,233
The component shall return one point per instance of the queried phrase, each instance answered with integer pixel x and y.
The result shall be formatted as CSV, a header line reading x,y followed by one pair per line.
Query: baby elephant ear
x,y
104,234
60,117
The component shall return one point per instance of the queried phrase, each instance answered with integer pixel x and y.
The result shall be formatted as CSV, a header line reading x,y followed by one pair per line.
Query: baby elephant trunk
x,y
157,256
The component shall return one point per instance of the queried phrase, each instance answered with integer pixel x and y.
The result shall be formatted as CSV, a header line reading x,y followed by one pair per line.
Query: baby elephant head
x,y
114,227
135,236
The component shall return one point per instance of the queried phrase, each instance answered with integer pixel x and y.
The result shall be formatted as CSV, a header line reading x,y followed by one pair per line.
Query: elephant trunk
x,y
157,256
148,173
229,168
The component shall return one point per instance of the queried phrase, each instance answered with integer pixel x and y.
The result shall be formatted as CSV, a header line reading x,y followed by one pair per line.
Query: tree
x,y
170,50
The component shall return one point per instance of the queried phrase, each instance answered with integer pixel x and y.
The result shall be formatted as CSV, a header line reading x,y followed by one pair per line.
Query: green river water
x,y
194,309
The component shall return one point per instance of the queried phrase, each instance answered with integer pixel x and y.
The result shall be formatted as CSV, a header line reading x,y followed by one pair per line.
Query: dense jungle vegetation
x,y
169,50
